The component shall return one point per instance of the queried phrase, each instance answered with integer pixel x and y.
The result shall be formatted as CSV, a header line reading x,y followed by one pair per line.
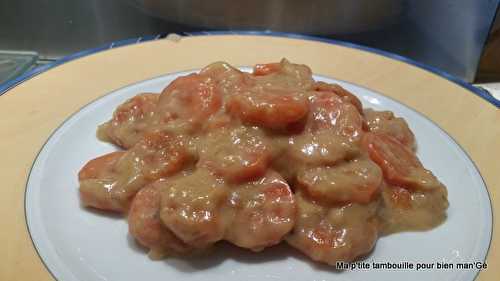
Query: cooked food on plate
x,y
258,159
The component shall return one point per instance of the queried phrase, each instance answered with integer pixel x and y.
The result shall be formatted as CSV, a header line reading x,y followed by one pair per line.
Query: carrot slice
x,y
161,153
356,181
399,164
328,111
341,92
237,154
265,69
269,110
95,168
193,97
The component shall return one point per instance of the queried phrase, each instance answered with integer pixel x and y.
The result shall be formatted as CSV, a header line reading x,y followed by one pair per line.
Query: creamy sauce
x,y
259,158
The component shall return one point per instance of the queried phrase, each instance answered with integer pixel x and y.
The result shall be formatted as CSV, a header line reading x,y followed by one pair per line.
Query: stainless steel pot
x,y
315,16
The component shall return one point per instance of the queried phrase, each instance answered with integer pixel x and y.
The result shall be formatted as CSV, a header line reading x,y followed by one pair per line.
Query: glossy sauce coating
x,y
192,207
129,120
331,233
259,158
264,212
145,225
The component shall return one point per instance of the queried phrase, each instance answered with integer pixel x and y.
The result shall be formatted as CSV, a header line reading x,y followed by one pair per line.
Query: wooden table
x,y
32,110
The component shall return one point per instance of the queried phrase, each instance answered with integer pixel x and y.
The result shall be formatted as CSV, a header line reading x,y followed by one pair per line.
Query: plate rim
x,y
6,86
407,107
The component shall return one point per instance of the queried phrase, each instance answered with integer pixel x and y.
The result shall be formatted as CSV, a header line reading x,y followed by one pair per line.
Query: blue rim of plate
x,y
454,79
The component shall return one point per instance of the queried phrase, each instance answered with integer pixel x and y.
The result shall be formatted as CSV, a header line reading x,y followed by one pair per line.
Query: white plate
x,y
77,244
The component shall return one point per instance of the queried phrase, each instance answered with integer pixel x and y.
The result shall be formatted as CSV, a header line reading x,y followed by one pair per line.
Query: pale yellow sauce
x,y
256,159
